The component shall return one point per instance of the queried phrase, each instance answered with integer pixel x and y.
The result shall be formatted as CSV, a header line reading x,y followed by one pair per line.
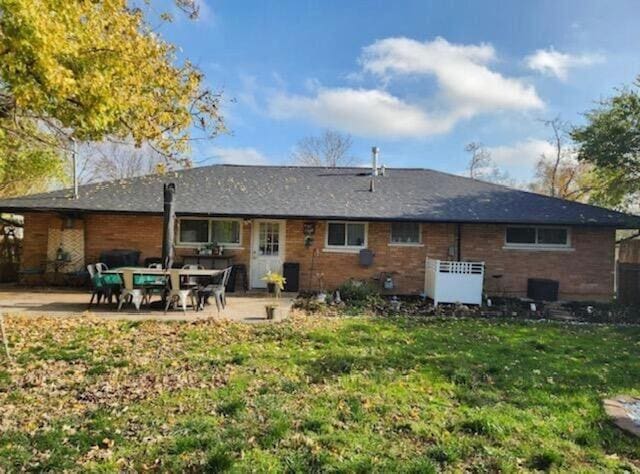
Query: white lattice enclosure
x,y
454,282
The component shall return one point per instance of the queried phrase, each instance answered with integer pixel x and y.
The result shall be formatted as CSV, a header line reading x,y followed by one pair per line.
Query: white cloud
x,y
365,112
466,87
523,155
557,64
238,156
460,70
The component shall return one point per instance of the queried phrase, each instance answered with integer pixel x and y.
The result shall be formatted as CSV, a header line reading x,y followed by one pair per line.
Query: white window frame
x,y
346,248
419,243
536,245
210,221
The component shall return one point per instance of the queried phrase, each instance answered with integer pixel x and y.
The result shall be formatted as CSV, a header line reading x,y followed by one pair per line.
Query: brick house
x,y
321,218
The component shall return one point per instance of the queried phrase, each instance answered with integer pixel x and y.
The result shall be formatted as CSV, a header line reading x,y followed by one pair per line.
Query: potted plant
x,y
271,310
275,284
206,249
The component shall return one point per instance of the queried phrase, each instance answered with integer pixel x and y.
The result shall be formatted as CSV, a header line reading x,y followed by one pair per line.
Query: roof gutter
x,y
19,210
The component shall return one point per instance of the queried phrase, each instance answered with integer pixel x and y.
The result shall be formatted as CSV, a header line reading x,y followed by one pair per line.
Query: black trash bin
x,y
120,258
291,273
542,289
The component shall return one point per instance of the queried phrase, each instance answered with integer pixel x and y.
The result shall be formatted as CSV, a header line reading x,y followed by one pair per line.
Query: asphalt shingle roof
x,y
339,193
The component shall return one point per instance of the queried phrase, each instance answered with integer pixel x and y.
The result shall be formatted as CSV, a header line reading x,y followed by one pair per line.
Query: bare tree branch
x,y
482,167
331,149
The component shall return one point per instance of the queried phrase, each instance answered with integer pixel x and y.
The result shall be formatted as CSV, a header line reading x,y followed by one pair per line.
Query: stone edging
x,y
615,409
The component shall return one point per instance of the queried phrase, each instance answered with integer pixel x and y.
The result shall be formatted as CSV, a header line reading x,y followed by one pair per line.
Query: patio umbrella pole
x,y
168,228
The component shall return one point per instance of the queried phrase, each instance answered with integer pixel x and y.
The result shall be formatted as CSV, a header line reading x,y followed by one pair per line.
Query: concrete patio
x,y
241,307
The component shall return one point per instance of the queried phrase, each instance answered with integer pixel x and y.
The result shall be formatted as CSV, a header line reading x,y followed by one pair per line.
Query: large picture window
x,y
194,231
347,235
208,231
225,232
542,237
407,233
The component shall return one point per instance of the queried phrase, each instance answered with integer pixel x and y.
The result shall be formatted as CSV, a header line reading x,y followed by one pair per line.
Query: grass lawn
x,y
314,395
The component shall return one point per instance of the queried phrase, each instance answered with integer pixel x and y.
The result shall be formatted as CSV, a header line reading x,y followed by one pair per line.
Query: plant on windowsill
x,y
207,249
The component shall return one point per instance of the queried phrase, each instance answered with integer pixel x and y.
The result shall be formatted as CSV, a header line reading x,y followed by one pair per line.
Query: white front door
x,y
267,252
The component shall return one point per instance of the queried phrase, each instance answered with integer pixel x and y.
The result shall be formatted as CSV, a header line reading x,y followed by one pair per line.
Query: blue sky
x,y
419,79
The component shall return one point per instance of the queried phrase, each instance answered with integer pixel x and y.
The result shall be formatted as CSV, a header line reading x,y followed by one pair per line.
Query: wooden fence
x,y
628,283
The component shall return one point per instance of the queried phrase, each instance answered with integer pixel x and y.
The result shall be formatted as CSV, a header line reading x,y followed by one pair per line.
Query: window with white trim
x,y
407,233
346,235
193,231
533,236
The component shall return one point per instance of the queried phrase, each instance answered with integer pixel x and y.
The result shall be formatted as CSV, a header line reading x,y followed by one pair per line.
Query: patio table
x,y
175,274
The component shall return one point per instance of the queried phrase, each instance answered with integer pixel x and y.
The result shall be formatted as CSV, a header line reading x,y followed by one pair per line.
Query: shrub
x,y
356,291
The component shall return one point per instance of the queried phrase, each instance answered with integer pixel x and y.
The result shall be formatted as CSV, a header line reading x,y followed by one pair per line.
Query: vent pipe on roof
x,y
74,160
374,161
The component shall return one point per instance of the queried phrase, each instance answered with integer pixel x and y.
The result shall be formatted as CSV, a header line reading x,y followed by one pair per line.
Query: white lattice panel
x,y
72,242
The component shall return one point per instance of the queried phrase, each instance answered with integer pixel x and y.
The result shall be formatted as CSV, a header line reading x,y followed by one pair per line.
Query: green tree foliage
x,y
611,142
96,69
27,168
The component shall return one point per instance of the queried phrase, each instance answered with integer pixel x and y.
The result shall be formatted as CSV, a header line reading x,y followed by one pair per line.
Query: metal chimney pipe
x,y
374,160
74,160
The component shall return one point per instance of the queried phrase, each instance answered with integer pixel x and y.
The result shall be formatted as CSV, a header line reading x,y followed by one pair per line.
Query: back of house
x,y
328,225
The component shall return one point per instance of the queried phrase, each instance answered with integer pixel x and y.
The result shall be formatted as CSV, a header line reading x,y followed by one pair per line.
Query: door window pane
x,y
194,230
550,236
405,233
269,238
225,232
355,235
336,233
521,235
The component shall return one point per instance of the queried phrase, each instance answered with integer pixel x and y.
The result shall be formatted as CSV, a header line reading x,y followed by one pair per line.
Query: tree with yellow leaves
x,y
88,70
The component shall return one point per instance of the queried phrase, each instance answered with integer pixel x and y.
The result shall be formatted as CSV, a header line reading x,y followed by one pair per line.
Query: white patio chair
x,y
97,291
177,294
192,281
91,268
137,296
101,267
218,290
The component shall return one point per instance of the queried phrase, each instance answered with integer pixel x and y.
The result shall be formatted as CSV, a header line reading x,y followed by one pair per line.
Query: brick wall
x,y
586,271
34,242
405,262
118,231
144,233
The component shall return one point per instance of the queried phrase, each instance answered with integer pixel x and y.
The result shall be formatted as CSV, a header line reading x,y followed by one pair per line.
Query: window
x,y
206,231
194,231
405,233
225,232
550,237
269,238
347,234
